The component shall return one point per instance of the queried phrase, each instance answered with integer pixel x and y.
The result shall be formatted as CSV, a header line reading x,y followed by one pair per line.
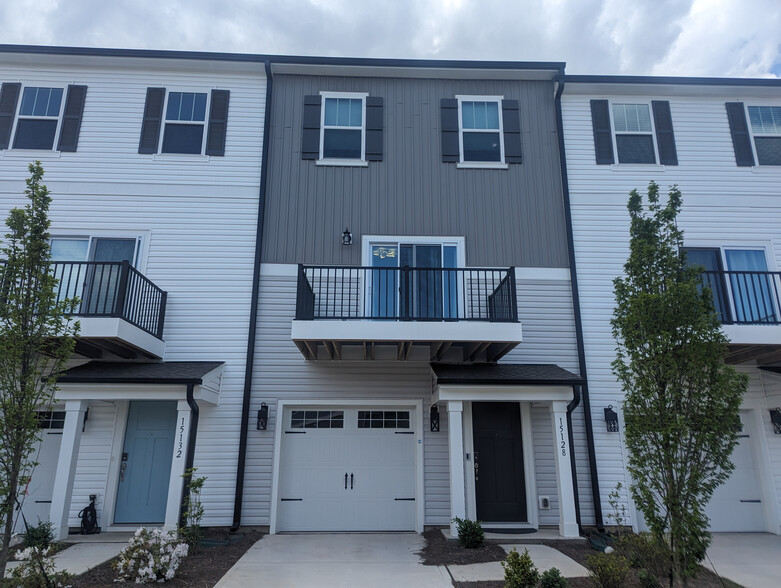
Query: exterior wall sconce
x,y
775,418
434,418
347,237
263,417
611,419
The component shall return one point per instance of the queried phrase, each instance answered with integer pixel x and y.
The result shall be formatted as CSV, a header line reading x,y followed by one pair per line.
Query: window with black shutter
x,y
765,124
741,142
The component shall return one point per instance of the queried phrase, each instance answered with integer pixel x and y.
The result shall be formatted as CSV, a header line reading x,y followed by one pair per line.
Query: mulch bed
x,y
441,552
204,569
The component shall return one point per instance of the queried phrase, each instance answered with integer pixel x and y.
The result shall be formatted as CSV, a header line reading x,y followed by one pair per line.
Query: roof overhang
x,y
726,88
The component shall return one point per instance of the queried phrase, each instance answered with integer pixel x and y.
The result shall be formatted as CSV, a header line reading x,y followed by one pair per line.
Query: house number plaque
x,y
180,444
561,436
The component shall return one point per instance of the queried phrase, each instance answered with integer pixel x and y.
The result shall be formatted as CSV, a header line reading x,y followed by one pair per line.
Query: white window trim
x,y
18,116
367,241
614,133
343,162
462,163
141,238
165,122
746,106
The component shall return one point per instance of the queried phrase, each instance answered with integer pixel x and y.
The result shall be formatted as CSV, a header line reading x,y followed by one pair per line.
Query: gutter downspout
x,y
191,437
573,273
253,315
570,409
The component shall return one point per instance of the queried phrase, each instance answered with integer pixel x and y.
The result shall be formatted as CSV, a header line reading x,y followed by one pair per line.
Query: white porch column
x,y
66,466
176,482
568,525
455,428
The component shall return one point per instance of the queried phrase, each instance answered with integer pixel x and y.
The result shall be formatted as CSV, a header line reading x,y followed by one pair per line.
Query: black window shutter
x,y
71,119
218,122
603,137
9,95
374,126
448,109
153,120
310,138
665,138
741,142
511,125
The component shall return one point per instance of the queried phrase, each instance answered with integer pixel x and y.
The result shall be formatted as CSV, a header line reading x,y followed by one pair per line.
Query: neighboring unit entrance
x,y
146,463
500,486
737,504
40,488
347,469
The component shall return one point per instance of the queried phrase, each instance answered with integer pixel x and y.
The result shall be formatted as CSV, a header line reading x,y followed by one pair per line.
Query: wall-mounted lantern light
x,y
611,419
263,417
434,418
775,418
347,237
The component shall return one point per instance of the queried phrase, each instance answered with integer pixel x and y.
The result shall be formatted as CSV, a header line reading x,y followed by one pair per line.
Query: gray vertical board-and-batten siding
x,y
511,216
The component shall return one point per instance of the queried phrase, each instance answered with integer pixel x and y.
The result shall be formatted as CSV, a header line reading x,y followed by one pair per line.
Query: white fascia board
x,y
753,334
117,328
391,331
514,393
114,392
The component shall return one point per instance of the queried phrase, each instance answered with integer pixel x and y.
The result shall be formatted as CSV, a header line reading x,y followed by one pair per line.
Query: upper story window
x,y
480,131
185,118
190,123
34,115
342,128
639,132
766,129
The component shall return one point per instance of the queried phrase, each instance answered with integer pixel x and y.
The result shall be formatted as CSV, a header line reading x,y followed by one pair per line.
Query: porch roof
x,y
114,372
505,373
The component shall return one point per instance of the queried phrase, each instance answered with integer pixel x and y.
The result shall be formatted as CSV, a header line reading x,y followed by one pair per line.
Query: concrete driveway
x,y
750,559
331,560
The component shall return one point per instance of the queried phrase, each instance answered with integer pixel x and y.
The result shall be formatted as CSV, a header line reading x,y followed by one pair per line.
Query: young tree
x,y
681,410
36,340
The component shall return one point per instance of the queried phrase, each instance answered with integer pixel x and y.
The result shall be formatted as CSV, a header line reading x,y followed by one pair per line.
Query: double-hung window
x,y
480,129
185,119
343,128
765,124
39,117
634,133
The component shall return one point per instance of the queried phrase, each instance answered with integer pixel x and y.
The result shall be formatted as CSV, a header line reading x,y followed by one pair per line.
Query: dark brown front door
x,y
500,486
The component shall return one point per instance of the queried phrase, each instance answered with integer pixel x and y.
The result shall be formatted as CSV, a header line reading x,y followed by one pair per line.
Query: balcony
x,y
431,314
749,307
121,312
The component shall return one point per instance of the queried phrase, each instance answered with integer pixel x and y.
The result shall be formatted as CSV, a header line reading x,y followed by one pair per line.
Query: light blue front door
x,y
146,463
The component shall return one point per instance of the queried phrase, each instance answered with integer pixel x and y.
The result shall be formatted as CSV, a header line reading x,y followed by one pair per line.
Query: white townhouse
x,y
719,141
154,163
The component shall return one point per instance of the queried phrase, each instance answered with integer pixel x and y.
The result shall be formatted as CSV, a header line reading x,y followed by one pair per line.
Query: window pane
x,y
69,249
106,249
343,116
186,109
480,122
479,115
199,110
41,102
33,133
468,115
356,113
28,101
54,102
481,147
341,144
183,138
765,119
635,149
768,150
174,105
330,111
752,290
492,115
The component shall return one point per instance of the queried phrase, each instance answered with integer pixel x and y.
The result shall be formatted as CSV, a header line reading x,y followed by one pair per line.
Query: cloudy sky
x,y
656,37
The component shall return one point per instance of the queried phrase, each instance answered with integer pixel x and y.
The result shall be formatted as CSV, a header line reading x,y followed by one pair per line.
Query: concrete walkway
x,y
750,559
335,560
544,558
87,552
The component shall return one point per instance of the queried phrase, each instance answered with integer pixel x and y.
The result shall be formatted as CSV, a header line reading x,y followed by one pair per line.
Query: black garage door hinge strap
x,y
291,499
404,499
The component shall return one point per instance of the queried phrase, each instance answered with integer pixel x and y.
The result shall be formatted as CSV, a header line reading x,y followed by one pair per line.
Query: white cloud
x,y
662,37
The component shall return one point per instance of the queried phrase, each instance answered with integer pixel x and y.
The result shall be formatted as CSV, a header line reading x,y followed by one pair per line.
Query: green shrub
x,y
648,580
37,570
552,578
39,536
608,570
520,571
470,533
646,553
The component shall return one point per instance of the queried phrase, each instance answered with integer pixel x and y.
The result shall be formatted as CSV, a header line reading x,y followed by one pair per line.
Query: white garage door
x,y
737,505
347,469
37,502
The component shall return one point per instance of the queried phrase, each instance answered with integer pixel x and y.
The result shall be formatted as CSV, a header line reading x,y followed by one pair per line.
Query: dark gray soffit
x,y
169,372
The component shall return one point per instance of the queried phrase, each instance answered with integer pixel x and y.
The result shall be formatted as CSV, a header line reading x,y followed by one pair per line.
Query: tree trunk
x,y
9,522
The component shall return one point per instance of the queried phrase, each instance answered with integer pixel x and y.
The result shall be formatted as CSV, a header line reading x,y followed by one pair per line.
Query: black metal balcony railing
x,y
406,294
745,298
112,289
